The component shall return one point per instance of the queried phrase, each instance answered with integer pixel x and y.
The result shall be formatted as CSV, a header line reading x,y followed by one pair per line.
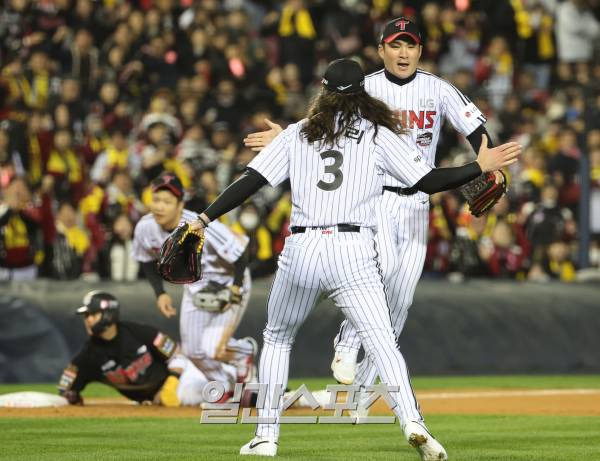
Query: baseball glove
x,y
180,256
483,192
214,298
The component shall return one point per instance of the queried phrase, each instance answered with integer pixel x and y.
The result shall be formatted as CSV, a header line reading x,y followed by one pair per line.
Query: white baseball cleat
x,y
260,446
344,367
420,438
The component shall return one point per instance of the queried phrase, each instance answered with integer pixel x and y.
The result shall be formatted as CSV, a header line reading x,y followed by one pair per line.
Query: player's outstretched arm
x,y
257,141
493,159
271,166
232,197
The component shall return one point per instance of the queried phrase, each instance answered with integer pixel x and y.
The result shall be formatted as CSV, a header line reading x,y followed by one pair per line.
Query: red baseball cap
x,y
168,181
398,27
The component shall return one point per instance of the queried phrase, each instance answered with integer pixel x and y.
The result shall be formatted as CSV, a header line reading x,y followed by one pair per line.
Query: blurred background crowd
x,y
98,97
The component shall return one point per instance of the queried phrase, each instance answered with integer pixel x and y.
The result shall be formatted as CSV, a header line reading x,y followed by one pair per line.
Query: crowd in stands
x,y
97,97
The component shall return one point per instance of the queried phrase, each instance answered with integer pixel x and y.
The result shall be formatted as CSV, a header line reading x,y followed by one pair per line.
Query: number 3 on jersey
x,y
333,169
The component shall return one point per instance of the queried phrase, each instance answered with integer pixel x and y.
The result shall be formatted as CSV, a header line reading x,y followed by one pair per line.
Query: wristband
x,y
201,219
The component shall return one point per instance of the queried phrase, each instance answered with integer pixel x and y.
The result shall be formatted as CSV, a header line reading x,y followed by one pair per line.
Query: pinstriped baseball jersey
x,y
202,333
424,103
337,184
221,248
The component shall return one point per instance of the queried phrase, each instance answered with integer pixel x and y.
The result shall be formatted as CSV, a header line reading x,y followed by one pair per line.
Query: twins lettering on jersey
x,y
422,119
422,104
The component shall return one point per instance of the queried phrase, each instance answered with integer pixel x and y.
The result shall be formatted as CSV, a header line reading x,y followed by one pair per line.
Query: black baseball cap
x,y
344,76
398,27
168,181
97,301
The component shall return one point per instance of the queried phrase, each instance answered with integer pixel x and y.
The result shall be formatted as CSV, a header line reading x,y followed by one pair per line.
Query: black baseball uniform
x,y
134,362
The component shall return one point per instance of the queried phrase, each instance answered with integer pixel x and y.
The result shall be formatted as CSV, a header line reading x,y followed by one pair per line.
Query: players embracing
x,y
421,101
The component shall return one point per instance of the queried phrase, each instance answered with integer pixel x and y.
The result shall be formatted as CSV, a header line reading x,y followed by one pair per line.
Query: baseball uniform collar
x,y
397,80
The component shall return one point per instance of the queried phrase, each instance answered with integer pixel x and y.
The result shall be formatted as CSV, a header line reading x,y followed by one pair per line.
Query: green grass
x,y
419,383
467,438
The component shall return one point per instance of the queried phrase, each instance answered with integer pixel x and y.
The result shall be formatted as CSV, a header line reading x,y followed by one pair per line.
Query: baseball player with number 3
x,y
421,101
335,160
211,308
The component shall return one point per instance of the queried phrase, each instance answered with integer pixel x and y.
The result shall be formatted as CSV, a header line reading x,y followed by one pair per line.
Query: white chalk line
x,y
505,393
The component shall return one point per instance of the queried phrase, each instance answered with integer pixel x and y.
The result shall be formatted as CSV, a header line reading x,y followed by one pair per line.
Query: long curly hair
x,y
321,124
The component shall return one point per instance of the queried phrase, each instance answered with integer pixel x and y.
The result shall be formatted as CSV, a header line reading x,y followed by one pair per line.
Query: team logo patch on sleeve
x,y
471,111
424,139
164,344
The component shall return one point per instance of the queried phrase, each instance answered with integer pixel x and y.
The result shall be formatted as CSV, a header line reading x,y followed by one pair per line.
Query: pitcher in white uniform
x,y
335,160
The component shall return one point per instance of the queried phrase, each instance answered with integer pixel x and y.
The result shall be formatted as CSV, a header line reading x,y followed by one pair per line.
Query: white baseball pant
x,y
403,225
344,267
191,381
206,337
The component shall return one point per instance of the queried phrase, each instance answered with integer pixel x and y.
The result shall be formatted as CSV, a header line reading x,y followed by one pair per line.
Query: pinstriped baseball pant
x,y
342,266
403,224
203,334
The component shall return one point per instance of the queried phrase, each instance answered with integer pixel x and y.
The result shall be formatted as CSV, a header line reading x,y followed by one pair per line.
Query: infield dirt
x,y
582,402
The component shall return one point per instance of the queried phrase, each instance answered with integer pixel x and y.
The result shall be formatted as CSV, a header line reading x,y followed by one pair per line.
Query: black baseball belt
x,y
340,228
401,190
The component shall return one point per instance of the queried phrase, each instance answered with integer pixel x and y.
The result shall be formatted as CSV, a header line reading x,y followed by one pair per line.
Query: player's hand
x,y
498,157
235,297
165,305
198,226
257,141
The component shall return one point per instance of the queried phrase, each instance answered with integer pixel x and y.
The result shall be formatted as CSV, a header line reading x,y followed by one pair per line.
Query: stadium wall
x,y
477,327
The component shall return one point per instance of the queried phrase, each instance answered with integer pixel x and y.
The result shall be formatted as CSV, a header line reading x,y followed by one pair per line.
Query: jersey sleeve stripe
x,y
462,97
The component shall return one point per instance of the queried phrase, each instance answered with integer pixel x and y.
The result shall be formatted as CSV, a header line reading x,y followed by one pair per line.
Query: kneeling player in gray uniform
x,y
137,360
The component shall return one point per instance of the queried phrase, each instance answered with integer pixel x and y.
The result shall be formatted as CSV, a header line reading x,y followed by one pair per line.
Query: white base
x,y
31,399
